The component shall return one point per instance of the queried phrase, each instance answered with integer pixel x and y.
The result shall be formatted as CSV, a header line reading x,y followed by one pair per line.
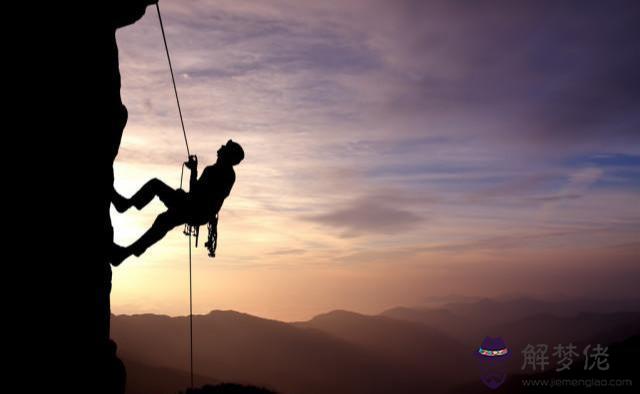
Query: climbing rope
x,y
186,142
173,80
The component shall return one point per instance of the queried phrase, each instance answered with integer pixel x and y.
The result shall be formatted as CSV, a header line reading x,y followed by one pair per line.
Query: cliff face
x,y
70,123
111,118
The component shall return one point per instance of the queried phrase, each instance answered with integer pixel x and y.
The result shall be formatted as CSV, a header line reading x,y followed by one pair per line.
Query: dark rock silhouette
x,y
72,118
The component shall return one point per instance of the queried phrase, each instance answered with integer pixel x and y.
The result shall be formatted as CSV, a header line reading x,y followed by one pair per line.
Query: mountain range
x,y
402,350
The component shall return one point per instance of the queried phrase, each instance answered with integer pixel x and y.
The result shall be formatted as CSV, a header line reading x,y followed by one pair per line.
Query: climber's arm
x,y
192,165
126,12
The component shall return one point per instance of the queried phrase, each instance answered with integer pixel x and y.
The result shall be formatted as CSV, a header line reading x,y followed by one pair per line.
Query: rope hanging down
x,y
173,80
186,142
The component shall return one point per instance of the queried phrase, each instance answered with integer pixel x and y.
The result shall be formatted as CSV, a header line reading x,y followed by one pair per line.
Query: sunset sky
x,y
395,151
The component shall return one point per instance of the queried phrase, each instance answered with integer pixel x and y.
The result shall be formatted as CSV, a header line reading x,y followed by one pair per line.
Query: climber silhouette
x,y
197,207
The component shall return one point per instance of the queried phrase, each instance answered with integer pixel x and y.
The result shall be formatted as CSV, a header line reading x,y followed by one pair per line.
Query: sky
x,y
395,151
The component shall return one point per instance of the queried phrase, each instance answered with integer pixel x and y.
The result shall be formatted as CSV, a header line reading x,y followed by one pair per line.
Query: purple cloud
x,y
369,216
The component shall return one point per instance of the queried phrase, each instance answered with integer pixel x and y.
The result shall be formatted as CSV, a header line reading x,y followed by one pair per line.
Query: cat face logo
x,y
492,356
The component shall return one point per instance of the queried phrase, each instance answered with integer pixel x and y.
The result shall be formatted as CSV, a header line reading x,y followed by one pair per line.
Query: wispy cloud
x,y
369,215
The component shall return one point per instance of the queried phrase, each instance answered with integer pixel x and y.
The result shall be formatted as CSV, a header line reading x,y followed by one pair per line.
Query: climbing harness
x,y
194,229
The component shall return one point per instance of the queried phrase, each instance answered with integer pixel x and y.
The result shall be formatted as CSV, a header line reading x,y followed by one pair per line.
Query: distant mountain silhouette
x,y
345,352
466,322
546,328
421,350
438,318
240,348
146,379
496,311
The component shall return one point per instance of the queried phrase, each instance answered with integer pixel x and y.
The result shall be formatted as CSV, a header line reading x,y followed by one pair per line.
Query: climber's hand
x,y
192,164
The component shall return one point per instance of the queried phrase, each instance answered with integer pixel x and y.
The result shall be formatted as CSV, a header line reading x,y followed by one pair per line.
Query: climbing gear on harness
x,y
212,238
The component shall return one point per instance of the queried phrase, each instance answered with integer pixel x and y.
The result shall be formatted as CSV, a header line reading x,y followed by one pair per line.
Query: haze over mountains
x,y
402,350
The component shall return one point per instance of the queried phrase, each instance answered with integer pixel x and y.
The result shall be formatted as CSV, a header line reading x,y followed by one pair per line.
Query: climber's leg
x,y
154,187
161,226
164,223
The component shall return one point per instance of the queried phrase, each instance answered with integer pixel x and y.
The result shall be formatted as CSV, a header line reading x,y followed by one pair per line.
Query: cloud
x,y
585,177
283,252
369,216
